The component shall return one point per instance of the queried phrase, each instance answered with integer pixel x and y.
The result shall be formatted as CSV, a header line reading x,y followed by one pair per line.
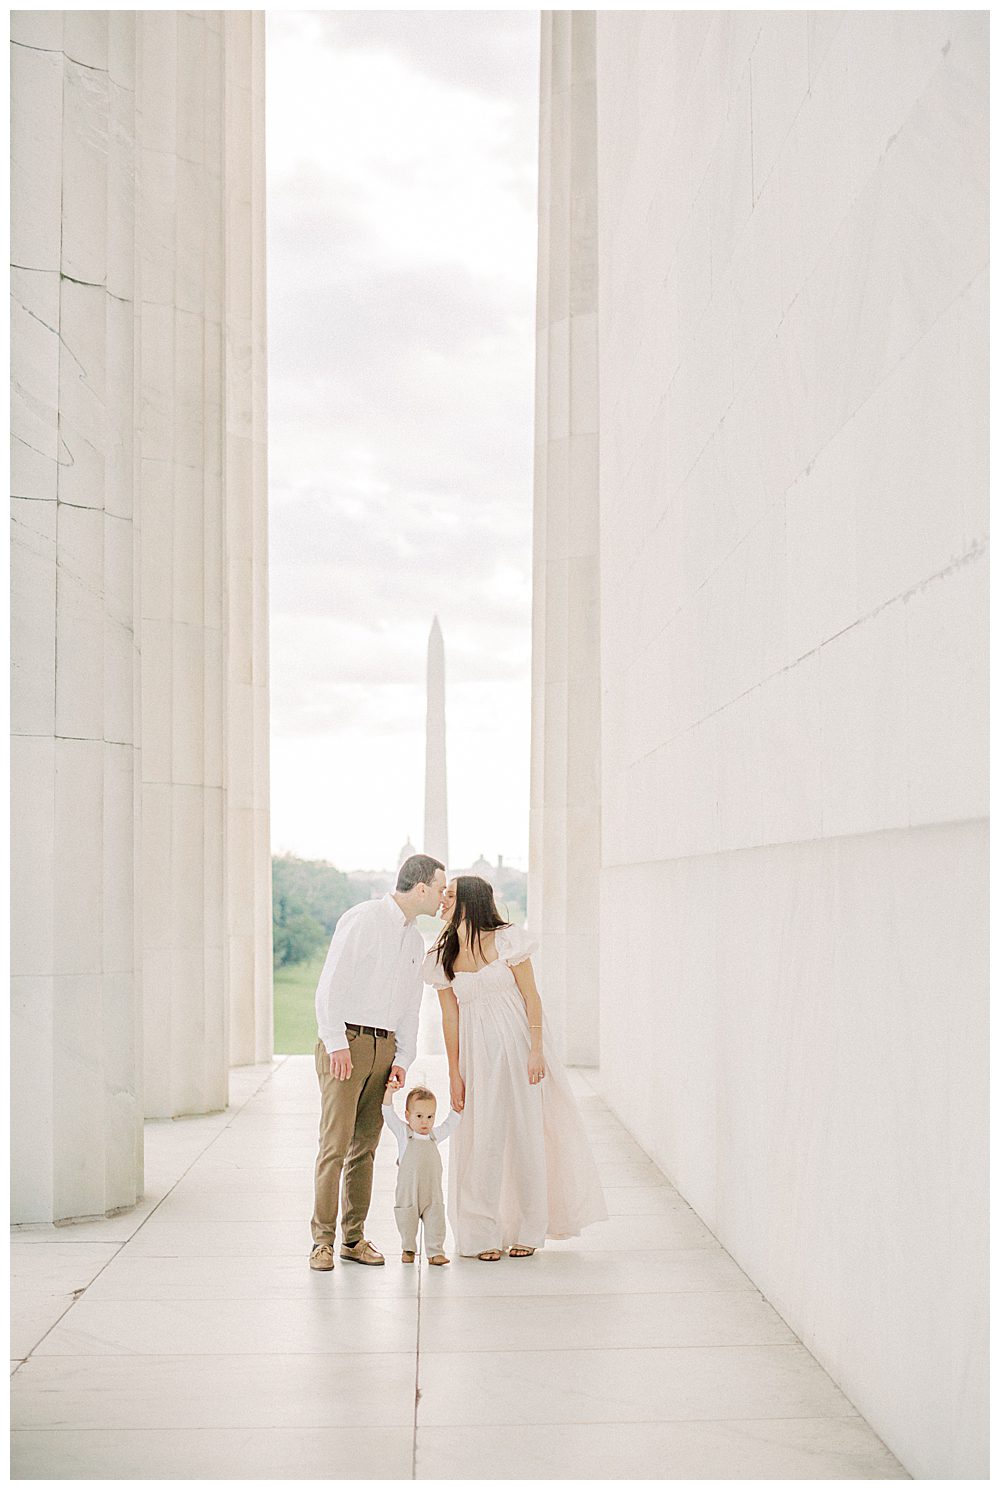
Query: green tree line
x,y
308,897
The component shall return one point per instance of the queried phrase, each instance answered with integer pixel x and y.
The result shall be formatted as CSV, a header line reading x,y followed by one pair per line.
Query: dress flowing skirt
x,y
520,1167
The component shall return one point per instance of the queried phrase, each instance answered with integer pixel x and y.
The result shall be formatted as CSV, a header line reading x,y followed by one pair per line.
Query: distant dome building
x,y
406,852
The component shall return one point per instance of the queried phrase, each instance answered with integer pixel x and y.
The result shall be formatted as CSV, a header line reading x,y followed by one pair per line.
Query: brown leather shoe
x,y
439,1260
363,1251
409,1256
321,1257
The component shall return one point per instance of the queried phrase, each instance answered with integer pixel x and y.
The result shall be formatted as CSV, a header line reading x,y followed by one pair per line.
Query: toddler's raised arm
x,y
446,1129
394,1122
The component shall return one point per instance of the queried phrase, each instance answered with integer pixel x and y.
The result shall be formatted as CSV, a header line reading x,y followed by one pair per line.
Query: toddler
x,y
418,1184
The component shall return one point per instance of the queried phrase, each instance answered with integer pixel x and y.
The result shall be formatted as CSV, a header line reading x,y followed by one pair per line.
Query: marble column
x,y
436,767
206,875
180,67
247,736
565,851
139,593
76,1101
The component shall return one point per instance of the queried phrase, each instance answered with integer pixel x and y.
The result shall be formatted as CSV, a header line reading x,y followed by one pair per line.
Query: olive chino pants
x,y
350,1126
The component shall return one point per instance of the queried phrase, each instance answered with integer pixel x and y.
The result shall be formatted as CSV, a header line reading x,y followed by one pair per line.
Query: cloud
x,y
423,374
401,244
489,51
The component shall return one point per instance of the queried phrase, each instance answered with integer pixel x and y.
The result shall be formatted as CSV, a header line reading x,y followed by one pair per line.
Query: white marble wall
x,y
139,555
792,294
564,873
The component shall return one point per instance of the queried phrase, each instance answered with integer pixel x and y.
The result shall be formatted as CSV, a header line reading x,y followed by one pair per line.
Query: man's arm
x,y
335,981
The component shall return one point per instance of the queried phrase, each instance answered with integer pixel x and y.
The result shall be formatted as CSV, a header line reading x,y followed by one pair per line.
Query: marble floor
x,y
189,1339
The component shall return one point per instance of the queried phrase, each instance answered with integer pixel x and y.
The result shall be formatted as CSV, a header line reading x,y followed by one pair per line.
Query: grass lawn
x,y
294,1006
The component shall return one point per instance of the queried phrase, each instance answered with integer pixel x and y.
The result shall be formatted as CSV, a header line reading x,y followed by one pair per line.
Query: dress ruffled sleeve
x,y
433,971
515,945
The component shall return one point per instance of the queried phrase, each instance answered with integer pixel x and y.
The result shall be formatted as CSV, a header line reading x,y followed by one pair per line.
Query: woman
x,y
521,1167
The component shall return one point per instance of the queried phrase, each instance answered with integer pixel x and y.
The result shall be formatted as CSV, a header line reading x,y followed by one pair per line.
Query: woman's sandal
x,y
520,1251
491,1256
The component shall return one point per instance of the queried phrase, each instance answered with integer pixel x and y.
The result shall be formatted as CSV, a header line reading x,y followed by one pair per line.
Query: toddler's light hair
x,y
420,1094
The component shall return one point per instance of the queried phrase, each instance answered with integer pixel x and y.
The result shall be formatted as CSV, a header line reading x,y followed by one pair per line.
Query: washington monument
x,y
436,778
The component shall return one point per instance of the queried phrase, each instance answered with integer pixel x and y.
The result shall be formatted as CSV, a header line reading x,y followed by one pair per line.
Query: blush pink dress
x,y
520,1167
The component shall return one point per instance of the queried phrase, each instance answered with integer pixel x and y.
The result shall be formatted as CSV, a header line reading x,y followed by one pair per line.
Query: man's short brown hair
x,y
418,869
420,1094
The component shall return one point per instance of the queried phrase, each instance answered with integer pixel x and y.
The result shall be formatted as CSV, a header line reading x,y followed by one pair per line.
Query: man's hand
x,y
397,1076
340,1064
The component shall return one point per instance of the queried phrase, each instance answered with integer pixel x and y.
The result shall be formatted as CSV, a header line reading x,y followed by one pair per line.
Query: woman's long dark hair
x,y
476,908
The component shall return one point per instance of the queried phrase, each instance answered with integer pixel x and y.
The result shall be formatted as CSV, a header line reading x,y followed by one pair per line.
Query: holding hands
x,y
341,1067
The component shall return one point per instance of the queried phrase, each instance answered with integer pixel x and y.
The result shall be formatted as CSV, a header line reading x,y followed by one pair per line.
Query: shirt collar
x,y
389,900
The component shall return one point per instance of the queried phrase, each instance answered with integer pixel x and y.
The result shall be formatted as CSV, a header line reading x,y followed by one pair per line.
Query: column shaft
x,y
566,715
205,805
139,589
248,848
76,1113
181,79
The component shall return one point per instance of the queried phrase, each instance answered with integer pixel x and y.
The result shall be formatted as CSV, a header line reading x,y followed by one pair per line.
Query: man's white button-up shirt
x,y
372,975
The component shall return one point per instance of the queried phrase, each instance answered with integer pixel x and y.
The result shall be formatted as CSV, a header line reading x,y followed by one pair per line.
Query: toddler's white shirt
x,y
402,1132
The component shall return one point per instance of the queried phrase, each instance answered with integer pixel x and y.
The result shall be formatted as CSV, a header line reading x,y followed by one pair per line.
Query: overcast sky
x,y
402,178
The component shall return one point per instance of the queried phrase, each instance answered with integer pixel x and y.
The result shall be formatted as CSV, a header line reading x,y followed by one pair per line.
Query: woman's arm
x,y
524,977
449,1025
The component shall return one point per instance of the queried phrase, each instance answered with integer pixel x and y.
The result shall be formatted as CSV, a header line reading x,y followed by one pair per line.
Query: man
x,y
367,1008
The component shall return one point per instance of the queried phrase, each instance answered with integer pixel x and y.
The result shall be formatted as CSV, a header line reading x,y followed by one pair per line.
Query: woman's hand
x,y
536,1068
457,1093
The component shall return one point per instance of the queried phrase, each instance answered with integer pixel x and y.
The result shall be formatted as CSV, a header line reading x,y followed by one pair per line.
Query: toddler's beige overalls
x,y
419,1196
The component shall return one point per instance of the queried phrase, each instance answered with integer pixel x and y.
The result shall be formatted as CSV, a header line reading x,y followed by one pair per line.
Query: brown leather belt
x,y
367,1029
